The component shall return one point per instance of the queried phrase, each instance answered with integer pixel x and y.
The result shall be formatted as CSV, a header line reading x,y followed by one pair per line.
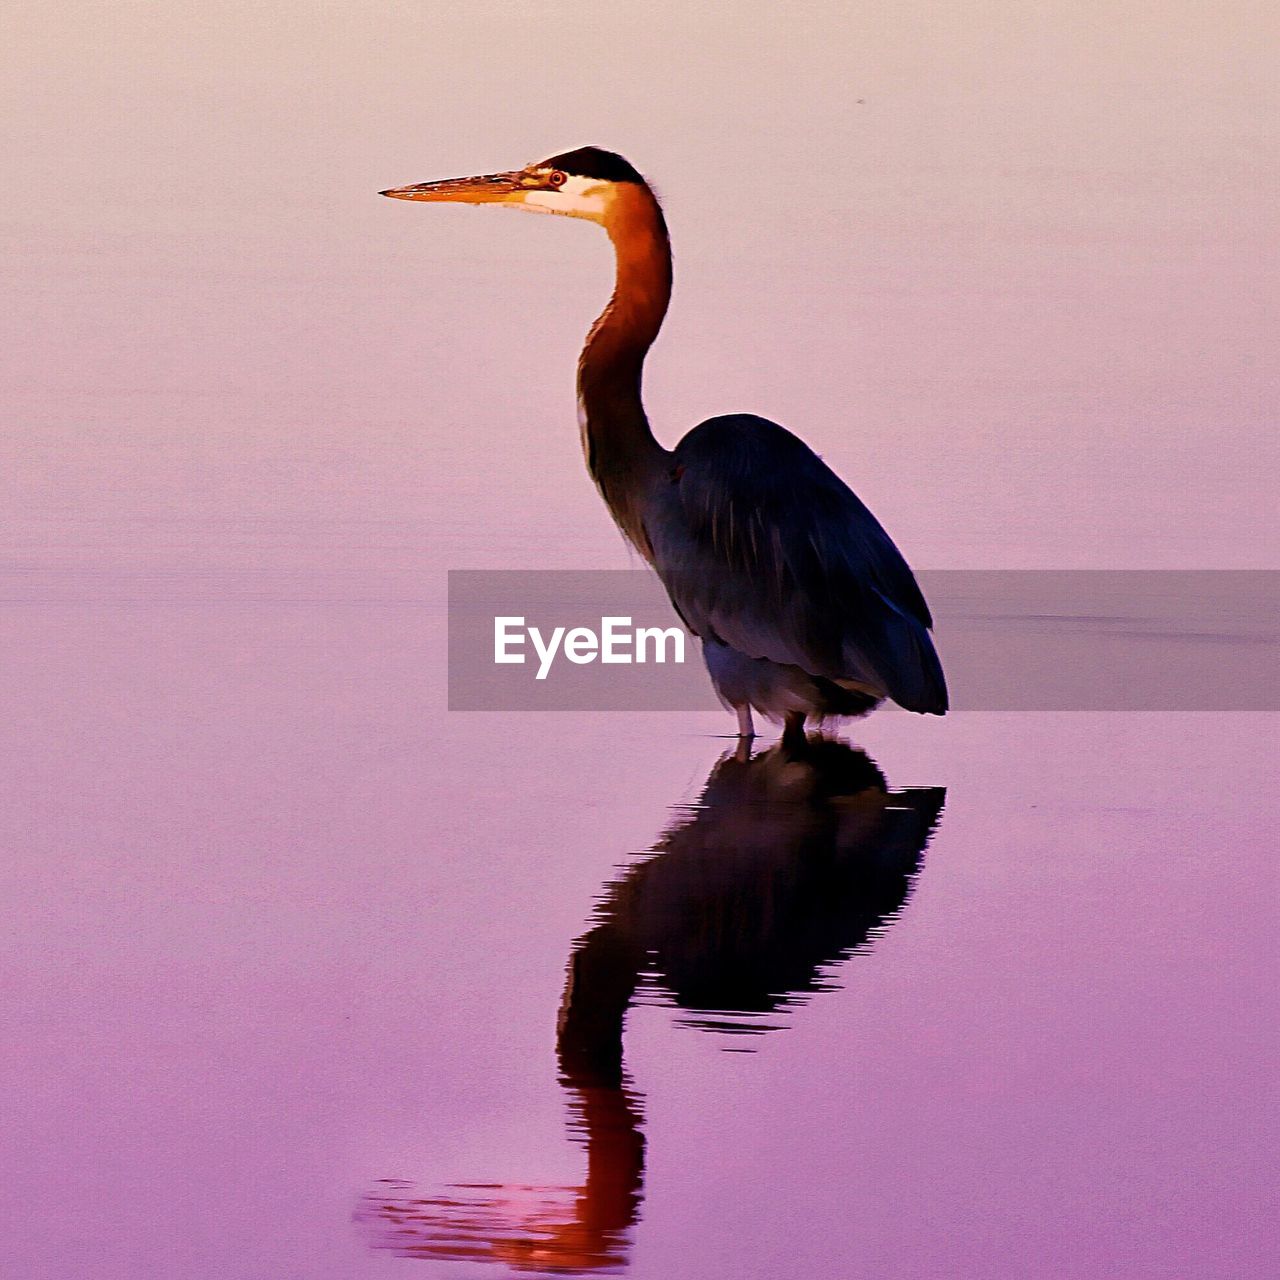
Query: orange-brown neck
x,y
621,453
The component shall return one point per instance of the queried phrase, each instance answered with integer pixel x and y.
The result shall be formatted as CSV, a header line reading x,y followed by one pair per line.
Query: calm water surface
x,y
307,977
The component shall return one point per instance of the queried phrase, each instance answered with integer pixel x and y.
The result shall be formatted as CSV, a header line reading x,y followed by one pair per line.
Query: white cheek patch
x,y
578,198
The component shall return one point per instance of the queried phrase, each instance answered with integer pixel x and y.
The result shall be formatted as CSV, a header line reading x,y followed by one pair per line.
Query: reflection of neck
x,y
611,1195
603,974
620,448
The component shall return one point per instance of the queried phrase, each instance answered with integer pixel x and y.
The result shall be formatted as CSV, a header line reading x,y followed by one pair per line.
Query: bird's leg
x,y
746,728
793,738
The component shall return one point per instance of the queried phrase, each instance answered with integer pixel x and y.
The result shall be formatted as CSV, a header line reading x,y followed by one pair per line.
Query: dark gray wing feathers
x,y
761,545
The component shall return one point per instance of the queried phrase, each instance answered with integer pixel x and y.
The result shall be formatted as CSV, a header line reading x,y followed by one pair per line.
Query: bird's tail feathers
x,y
908,665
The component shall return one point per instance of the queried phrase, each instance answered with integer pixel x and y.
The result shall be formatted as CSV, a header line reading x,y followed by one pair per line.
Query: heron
x,y
805,607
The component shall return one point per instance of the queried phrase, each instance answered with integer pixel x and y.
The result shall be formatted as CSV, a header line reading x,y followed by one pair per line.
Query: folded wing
x,y
762,546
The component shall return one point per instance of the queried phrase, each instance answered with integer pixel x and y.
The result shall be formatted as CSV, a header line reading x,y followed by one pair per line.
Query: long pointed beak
x,y
490,188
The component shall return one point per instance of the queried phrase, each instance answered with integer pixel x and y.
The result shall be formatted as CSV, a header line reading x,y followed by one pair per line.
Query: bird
x,y
805,607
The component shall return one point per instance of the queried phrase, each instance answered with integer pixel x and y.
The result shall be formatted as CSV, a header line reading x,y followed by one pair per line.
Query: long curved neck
x,y
621,453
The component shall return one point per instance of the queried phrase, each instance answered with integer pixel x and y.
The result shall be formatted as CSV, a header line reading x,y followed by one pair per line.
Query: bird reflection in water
x,y
789,862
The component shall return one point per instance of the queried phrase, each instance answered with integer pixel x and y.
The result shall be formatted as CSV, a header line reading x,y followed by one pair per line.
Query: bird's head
x,y
579,184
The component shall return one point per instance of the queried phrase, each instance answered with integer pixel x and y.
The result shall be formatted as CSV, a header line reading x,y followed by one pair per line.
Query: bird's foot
x,y
793,734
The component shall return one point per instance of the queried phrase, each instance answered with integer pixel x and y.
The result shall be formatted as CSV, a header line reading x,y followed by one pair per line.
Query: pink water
x,y
284,941
277,929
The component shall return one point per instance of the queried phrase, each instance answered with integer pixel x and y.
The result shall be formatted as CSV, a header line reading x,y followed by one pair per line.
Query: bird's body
x,y
804,606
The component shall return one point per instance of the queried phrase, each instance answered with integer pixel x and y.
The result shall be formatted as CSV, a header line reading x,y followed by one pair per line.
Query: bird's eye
x,y
557,178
